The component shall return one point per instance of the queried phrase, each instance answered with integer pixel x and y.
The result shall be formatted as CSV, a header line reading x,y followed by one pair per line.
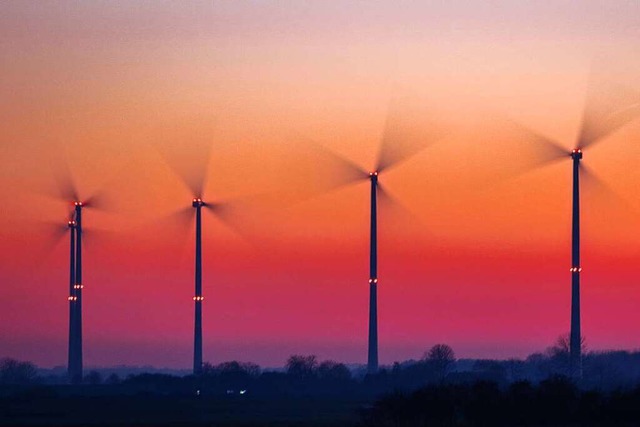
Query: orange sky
x,y
481,264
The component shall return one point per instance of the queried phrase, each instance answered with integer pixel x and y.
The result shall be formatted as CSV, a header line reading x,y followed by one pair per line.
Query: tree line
x,y
306,374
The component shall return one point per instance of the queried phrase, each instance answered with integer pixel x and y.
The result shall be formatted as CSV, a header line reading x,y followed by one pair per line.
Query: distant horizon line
x,y
351,365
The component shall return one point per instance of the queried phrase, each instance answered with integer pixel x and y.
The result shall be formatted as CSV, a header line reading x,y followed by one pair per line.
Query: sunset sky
x,y
479,257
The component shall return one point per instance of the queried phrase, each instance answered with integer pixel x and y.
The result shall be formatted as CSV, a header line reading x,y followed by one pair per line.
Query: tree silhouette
x,y
559,355
333,371
15,372
440,359
302,367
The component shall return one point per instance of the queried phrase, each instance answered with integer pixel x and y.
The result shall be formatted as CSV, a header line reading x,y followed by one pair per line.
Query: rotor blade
x,y
598,189
53,234
67,189
338,170
99,201
318,170
180,219
233,218
608,108
244,216
394,211
535,147
408,131
506,149
103,199
187,153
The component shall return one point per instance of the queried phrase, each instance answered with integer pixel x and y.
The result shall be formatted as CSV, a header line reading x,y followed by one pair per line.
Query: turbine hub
x,y
373,175
77,204
576,154
197,202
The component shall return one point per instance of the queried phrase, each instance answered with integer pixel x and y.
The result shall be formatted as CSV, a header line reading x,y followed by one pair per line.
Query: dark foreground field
x,y
556,402
172,410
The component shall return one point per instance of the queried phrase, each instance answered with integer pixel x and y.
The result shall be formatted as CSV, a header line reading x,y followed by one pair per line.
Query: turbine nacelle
x,y
373,176
78,204
71,224
576,154
197,202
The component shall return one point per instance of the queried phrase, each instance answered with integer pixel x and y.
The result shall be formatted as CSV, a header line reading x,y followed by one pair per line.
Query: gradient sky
x,y
482,262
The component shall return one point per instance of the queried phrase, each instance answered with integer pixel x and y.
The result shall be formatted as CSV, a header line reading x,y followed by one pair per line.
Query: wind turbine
x,y
404,136
197,203
69,194
607,109
76,286
193,174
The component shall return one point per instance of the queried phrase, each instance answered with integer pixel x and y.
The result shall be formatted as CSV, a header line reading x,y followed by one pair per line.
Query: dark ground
x,y
172,410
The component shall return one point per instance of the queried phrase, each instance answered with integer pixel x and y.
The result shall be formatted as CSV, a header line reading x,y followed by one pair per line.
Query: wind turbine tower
x,y
372,360
198,298
75,367
575,335
73,299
